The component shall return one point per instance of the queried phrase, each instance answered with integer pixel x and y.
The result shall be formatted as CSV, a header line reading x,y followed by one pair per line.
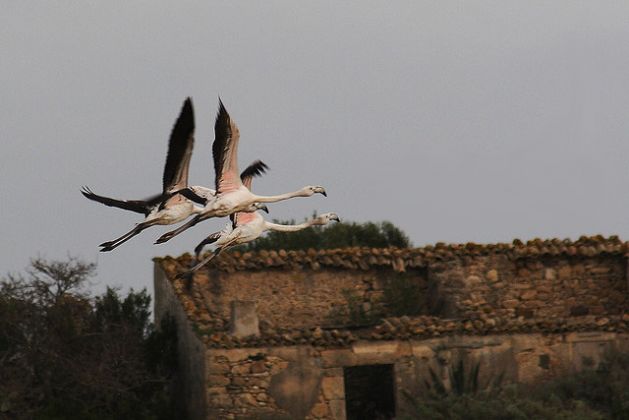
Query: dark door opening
x,y
369,392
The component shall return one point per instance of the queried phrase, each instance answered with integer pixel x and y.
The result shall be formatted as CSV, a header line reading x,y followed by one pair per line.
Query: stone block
x,y
242,369
219,398
296,388
260,382
510,303
337,358
472,280
290,354
240,380
258,367
565,272
371,347
233,355
529,294
492,275
337,371
213,368
550,274
245,400
337,409
320,411
333,387
217,380
244,319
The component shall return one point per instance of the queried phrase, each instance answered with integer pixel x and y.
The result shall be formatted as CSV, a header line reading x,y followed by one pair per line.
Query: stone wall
x,y
191,380
499,286
305,382
267,335
558,286
302,298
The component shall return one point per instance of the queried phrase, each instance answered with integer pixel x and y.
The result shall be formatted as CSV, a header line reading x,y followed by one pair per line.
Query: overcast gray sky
x,y
458,121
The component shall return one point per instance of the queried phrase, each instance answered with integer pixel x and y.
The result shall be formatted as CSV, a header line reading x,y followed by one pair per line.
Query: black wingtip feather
x,y
85,190
187,113
187,110
222,116
222,134
180,142
257,168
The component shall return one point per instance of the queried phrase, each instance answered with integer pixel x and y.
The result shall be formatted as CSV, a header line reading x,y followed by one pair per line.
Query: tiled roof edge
x,y
364,258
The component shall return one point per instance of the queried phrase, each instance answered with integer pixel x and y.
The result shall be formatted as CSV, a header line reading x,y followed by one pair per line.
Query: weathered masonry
x,y
299,334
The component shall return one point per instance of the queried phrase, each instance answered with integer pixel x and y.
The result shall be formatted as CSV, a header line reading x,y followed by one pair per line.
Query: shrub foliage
x,y
67,355
601,393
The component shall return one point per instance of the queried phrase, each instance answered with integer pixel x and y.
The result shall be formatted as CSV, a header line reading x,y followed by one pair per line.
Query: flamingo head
x,y
326,218
314,189
261,206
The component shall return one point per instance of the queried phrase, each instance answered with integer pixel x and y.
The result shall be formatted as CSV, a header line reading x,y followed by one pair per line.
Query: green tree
x,y
337,235
66,355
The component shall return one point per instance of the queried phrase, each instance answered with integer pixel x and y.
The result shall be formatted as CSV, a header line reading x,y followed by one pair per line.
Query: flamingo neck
x,y
280,197
289,228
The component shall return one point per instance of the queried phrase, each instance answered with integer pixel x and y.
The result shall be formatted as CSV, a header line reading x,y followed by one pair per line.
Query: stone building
x,y
303,334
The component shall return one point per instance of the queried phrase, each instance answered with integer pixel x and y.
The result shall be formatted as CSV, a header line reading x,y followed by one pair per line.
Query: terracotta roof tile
x,y
212,332
399,259
416,328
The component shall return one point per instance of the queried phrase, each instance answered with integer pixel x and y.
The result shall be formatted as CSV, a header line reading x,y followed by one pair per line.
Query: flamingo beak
x,y
336,218
323,192
265,209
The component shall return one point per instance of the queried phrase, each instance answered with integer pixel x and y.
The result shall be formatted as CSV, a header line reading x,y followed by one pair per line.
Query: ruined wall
x,y
307,382
506,287
301,298
498,287
526,311
191,379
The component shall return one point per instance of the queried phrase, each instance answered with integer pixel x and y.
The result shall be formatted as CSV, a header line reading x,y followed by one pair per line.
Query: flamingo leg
x,y
169,235
215,254
209,240
110,245
189,273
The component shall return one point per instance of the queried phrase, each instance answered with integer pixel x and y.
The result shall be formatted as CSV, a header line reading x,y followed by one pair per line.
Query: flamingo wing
x,y
191,195
257,168
180,150
225,152
242,218
138,206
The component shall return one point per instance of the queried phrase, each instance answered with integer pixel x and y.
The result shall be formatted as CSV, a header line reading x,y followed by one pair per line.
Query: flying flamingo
x,y
231,195
248,227
168,207
150,206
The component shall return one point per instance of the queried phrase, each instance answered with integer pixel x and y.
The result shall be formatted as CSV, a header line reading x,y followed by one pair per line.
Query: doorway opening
x,y
369,392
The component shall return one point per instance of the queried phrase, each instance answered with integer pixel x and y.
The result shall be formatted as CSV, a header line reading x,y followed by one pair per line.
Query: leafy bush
x,y
604,388
404,295
66,355
601,393
505,405
353,312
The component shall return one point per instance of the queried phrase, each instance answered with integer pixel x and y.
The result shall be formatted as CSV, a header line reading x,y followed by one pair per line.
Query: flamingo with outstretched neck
x,y
169,207
231,195
247,227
